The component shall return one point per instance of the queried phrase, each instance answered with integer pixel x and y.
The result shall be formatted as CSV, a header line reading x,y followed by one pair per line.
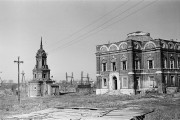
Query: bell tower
x,y
41,70
41,83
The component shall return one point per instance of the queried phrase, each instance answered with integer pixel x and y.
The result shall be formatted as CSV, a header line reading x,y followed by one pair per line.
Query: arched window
x,y
103,49
171,45
137,45
44,75
123,46
113,47
178,47
164,45
150,45
42,62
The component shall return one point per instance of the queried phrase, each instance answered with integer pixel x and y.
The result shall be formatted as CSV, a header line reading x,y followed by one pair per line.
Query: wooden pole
x,y
18,62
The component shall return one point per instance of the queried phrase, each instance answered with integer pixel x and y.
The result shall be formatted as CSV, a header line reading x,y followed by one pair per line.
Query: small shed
x,y
55,89
84,88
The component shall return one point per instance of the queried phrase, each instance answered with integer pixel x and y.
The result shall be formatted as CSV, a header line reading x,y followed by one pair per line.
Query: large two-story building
x,y
138,63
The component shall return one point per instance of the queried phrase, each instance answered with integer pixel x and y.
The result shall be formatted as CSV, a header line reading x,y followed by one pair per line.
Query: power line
x,y
73,34
107,26
102,24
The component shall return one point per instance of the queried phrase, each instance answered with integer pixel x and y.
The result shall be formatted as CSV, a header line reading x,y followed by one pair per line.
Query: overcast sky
x,y
72,29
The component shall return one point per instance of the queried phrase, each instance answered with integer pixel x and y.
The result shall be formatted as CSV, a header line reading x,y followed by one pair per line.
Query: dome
x,y
41,52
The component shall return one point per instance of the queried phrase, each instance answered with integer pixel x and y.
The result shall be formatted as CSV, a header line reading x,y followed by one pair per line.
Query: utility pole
x,y
18,62
23,81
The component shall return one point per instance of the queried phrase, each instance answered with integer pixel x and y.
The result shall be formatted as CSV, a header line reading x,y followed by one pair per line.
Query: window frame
x,y
153,81
172,62
152,64
166,79
164,63
124,66
104,65
172,82
178,62
113,66
137,64
123,83
104,82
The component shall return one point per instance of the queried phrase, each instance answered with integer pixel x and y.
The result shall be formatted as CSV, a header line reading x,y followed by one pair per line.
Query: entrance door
x,y
137,84
115,83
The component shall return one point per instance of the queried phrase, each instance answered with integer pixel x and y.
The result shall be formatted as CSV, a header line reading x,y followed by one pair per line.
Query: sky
x,y
71,29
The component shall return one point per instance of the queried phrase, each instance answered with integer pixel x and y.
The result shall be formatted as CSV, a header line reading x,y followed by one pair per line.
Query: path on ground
x,y
59,113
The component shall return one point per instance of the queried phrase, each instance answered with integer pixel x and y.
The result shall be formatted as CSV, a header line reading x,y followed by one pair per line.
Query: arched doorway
x,y
114,83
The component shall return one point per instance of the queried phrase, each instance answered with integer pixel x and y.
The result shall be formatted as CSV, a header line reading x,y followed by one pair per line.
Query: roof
x,y
55,85
139,36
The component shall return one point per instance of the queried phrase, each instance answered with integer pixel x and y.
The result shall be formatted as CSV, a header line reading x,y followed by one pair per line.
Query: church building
x,y
41,83
137,64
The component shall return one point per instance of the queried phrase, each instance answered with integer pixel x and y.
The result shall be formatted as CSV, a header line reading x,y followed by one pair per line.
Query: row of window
x,y
170,82
150,64
124,65
172,63
124,83
113,66
43,76
152,82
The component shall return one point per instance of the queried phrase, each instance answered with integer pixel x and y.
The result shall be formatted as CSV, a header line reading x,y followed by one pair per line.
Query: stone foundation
x,y
171,90
101,91
127,91
115,92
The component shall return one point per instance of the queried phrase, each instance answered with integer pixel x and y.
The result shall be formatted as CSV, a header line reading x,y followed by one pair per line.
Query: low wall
x,y
127,91
171,90
101,91
84,89
115,92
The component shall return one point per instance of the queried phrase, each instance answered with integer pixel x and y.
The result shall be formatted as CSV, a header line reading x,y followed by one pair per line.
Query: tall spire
x,y
41,46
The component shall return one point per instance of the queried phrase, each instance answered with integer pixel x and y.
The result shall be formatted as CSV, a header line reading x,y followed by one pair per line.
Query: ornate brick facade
x,y
138,63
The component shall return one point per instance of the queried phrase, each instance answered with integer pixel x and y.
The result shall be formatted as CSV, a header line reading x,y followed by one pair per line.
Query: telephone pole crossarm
x,y
18,62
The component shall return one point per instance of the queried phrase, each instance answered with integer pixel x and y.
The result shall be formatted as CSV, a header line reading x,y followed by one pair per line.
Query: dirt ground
x,y
163,107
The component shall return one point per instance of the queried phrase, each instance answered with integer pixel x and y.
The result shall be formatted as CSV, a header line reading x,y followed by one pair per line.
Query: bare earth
x,y
147,107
